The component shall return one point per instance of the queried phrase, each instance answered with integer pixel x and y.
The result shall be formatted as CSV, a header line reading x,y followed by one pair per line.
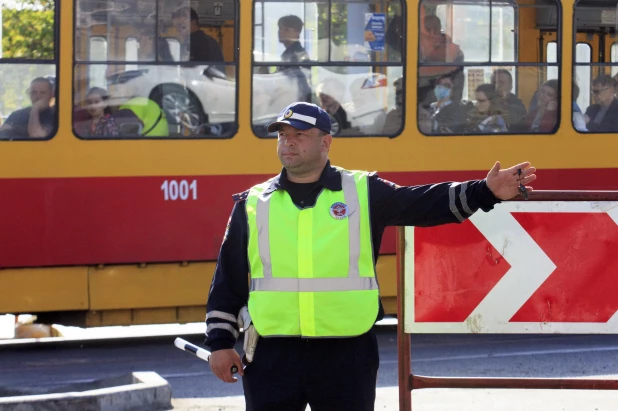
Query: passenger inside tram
x,y
544,118
486,116
514,110
195,45
36,121
603,115
448,116
98,120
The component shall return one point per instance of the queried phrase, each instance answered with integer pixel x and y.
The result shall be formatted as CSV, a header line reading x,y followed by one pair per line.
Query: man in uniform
x,y
308,240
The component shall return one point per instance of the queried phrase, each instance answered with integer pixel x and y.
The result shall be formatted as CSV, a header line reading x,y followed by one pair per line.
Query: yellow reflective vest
x,y
312,270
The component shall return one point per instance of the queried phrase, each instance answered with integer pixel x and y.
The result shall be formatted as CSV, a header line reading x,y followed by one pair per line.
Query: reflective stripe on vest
x,y
300,285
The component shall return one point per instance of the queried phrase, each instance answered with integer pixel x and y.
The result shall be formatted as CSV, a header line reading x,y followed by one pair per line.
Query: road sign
x,y
524,267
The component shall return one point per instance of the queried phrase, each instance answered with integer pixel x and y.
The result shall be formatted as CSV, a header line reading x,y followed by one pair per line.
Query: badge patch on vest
x,y
339,211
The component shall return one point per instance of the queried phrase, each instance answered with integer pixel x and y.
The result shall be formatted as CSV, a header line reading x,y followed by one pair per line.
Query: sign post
x,y
547,265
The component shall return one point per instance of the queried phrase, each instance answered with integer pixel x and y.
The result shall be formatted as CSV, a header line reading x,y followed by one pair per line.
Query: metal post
x,y
403,339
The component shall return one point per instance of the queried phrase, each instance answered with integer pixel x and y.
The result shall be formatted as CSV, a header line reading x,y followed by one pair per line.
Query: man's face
x,y
287,34
182,24
603,95
301,150
39,90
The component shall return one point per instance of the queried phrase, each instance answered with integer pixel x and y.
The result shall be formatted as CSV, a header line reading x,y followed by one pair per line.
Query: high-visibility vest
x,y
312,270
151,115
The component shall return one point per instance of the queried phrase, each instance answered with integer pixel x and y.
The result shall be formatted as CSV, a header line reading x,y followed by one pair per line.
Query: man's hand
x,y
41,104
221,363
504,184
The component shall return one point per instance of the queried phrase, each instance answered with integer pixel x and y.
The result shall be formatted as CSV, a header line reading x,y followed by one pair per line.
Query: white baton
x,y
197,351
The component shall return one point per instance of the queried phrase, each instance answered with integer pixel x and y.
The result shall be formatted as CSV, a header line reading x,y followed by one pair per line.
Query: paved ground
x,y
195,388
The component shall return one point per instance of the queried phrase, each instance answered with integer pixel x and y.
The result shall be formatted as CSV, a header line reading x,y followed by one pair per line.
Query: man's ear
x,y
327,140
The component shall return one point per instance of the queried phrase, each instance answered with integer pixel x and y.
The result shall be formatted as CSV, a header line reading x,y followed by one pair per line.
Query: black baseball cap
x,y
302,116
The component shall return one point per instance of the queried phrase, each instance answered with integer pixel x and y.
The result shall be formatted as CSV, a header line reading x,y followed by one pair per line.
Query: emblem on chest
x,y
339,211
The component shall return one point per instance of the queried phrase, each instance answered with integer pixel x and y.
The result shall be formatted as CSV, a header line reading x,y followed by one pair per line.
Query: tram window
x,y
600,114
169,69
28,67
552,57
583,54
471,79
344,56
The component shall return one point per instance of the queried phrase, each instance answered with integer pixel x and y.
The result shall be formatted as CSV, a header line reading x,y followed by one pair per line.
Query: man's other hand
x,y
504,184
221,363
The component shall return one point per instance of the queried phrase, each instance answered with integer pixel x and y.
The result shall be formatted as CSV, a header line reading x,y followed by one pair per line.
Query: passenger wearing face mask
x,y
447,116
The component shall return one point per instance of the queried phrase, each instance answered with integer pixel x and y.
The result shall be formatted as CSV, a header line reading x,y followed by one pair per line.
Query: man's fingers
x,y
528,179
524,166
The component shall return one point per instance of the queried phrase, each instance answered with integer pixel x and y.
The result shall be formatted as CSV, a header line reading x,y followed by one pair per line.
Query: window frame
x,y
234,63
56,62
489,63
403,63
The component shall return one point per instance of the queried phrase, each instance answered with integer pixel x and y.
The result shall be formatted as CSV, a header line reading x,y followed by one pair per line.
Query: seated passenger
x,y
100,122
141,117
486,116
544,118
514,110
394,118
447,116
603,116
36,121
330,94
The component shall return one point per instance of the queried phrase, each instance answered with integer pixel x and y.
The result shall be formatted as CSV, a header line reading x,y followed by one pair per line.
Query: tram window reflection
x,y
300,53
177,58
470,76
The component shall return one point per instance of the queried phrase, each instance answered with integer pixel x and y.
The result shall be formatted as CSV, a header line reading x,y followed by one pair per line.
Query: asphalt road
x,y
440,355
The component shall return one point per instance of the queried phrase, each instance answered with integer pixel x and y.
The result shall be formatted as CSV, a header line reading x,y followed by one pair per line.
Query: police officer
x,y
300,250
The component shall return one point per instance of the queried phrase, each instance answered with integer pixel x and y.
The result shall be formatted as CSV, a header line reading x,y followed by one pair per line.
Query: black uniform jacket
x,y
390,205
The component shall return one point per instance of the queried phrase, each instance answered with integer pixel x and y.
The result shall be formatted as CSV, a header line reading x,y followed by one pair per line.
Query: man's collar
x,y
330,179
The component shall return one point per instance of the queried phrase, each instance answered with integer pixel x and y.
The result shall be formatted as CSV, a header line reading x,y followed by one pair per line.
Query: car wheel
x,y
181,106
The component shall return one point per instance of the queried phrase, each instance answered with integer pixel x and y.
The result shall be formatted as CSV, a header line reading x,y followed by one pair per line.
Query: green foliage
x,y
28,29
337,26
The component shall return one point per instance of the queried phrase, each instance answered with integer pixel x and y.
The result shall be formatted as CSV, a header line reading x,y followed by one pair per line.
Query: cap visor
x,y
301,125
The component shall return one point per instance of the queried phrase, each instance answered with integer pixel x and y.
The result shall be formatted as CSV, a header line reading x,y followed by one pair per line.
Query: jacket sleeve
x,y
229,290
427,205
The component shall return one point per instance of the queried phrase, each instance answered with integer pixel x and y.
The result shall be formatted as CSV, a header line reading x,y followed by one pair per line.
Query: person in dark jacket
x,y
290,28
486,116
448,116
603,115
337,368
514,109
195,45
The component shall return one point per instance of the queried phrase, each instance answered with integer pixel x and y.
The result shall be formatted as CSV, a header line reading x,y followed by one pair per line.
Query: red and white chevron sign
x,y
524,267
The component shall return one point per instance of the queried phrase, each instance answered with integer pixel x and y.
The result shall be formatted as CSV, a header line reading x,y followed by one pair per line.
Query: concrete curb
x,y
139,391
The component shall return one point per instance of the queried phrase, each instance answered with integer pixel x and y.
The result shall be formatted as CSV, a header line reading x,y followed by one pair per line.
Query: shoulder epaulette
x,y
240,196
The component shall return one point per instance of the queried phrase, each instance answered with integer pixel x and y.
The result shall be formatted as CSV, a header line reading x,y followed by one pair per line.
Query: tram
x,y
106,222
